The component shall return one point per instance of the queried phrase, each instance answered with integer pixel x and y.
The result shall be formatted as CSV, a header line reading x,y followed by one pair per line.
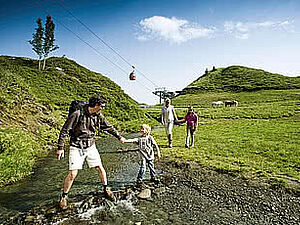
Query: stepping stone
x,y
145,193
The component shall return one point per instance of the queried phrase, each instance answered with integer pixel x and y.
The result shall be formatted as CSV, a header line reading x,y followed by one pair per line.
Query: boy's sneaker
x,y
109,194
63,202
139,183
186,146
154,180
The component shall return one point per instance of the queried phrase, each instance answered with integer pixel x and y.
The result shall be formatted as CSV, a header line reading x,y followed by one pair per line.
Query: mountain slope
x,y
239,79
63,81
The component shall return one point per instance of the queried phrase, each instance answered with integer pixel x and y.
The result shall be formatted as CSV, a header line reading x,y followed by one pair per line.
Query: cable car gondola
x,y
132,74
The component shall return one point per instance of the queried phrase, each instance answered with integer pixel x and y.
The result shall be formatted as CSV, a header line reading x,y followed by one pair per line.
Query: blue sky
x,y
170,42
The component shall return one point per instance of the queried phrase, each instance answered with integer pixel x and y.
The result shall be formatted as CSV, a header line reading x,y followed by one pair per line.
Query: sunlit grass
x,y
18,153
263,147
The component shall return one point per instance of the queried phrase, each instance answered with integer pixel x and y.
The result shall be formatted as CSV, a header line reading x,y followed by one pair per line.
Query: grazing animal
x,y
231,103
217,104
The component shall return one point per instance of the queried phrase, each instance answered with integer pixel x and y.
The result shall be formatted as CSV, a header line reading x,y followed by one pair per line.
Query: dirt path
x,y
194,195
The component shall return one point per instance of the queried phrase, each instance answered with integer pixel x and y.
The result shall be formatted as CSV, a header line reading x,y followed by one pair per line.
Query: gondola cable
x,y
107,45
96,51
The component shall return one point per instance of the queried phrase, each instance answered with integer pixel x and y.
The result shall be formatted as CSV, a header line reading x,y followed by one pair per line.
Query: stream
x,y
43,187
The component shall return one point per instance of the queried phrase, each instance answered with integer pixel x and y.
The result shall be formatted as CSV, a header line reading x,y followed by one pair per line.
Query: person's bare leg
x,y
102,174
187,141
69,180
67,186
192,140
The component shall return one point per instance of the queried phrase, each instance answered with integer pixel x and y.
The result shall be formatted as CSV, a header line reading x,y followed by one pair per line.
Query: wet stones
x,y
201,196
184,195
144,194
83,205
159,191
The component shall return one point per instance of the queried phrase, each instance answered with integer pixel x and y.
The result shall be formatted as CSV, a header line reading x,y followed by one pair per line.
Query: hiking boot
x,y
109,194
63,202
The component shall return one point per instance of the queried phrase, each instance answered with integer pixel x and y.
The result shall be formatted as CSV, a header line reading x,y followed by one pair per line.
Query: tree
x,y
48,45
37,40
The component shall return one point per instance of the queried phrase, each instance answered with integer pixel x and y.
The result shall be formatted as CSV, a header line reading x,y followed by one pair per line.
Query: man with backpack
x,y
81,125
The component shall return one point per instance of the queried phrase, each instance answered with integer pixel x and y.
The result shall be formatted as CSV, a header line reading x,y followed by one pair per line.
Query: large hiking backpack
x,y
74,106
77,105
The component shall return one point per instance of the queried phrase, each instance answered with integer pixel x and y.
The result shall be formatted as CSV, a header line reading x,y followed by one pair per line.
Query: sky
x,y
170,42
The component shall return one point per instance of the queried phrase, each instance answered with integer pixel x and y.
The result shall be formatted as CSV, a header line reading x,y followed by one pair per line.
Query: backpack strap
x,y
79,118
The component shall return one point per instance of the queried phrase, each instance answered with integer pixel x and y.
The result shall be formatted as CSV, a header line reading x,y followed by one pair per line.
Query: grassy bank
x,y
269,148
18,151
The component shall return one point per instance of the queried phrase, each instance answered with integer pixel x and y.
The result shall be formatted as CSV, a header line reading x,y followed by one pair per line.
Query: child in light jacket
x,y
146,143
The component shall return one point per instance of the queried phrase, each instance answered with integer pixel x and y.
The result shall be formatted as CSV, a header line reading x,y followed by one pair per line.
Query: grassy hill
x,y
34,105
239,79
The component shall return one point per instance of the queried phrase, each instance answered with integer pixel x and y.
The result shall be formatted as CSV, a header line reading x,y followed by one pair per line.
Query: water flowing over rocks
x,y
186,194
83,207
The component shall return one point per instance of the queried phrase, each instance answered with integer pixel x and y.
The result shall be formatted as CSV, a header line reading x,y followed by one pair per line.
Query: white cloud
x,y
242,36
242,30
171,29
285,23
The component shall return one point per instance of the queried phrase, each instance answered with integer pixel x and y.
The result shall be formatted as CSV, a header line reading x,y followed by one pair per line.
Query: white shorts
x,y
77,157
169,127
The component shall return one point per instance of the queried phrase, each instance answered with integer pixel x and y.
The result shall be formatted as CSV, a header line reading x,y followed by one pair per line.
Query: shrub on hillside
x,y
17,155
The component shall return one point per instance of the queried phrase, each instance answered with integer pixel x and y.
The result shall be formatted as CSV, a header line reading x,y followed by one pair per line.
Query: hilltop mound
x,y
239,79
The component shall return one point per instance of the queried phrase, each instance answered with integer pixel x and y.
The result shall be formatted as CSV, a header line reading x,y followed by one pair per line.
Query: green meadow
x,y
258,139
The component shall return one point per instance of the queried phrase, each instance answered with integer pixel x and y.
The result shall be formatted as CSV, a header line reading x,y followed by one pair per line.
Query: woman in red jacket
x,y
192,122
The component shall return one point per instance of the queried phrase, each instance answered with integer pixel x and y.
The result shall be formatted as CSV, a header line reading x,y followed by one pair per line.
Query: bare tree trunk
x,y
39,63
44,65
